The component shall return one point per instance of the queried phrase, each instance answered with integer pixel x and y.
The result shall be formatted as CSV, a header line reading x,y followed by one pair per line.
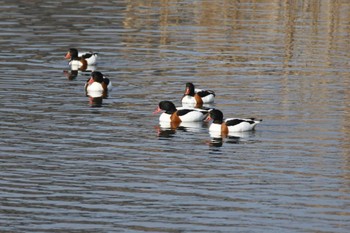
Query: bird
x,y
97,76
229,125
97,84
81,60
197,97
176,116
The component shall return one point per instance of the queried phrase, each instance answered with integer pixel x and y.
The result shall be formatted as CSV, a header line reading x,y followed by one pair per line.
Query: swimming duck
x,y
197,97
174,115
98,77
81,59
229,125
97,85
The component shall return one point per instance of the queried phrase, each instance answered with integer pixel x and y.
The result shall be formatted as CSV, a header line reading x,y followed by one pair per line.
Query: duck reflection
x,y
95,102
75,71
70,74
168,129
217,140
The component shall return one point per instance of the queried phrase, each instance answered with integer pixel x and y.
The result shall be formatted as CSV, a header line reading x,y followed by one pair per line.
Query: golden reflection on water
x,y
304,29
286,38
305,43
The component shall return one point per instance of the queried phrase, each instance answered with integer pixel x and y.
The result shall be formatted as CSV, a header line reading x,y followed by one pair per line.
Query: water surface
x,y
68,167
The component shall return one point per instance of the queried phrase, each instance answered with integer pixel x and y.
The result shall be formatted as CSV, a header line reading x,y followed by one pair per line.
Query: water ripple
x,y
67,166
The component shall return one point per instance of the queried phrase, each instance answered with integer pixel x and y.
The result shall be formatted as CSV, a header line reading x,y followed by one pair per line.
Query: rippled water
x,y
68,167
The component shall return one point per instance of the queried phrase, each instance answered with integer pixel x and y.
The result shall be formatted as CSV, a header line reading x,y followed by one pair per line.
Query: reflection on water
x,y
73,72
168,129
67,167
95,101
70,74
217,140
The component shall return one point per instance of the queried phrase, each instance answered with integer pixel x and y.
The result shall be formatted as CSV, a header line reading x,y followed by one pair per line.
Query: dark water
x,y
68,167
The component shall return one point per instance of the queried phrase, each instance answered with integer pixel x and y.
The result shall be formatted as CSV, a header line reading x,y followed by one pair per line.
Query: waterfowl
x,y
97,85
197,97
176,116
81,59
98,77
229,125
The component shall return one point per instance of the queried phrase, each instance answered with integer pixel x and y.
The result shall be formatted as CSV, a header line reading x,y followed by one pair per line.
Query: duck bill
x,y
208,118
187,91
68,56
157,110
90,81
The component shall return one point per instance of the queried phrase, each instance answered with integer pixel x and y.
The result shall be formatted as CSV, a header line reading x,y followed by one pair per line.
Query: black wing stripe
x,y
88,55
237,121
205,93
182,112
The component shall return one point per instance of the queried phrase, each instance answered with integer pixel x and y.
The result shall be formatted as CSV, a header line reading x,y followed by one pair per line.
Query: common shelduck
x,y
97,76
81,59
229,125
197,97
174,115
97,85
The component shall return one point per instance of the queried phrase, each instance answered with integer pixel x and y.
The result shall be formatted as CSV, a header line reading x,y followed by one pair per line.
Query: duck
x,y
229,125
197,97
98,77
176,116
97,85
81,59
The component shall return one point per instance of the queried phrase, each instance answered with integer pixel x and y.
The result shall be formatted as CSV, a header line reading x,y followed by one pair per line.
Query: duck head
x,y
97,76
72,54
216,115
167,106
189,89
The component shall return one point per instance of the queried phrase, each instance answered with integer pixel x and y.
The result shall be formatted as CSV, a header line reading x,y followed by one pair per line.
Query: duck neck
x,y
75,58
170,111
189,91
218,121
